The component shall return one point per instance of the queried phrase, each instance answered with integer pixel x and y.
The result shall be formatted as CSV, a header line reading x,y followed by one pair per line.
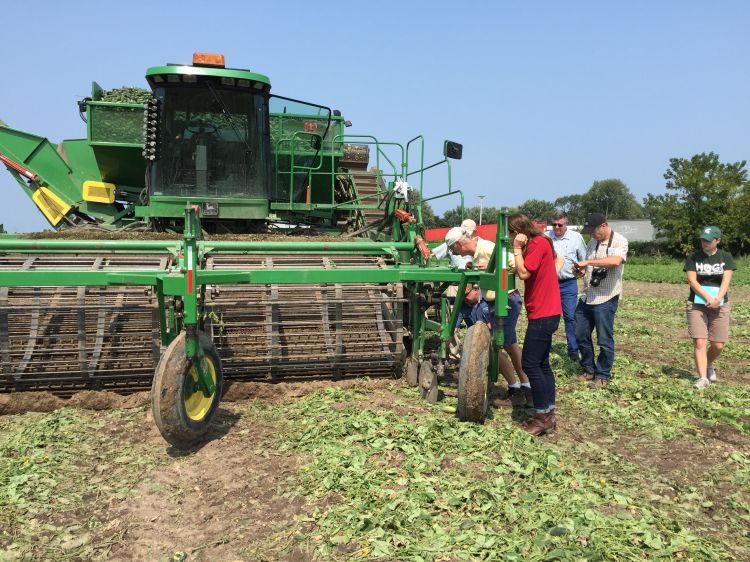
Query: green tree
x,y
613,199
452,217
703,191
428,215
537,209
572,205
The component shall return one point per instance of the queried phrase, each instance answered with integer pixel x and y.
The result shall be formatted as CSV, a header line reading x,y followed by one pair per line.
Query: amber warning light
x,y
208,59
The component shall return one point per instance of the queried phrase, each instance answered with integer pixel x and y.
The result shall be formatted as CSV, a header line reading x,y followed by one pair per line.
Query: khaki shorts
x,y
706,324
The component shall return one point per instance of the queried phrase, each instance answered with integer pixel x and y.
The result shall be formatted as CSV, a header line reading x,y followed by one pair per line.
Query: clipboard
x,y
713,291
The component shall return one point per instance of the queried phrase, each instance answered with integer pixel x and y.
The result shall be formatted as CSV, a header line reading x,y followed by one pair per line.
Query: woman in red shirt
x,y
535,264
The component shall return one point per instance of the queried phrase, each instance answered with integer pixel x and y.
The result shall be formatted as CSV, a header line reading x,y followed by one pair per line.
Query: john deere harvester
x,y
214,231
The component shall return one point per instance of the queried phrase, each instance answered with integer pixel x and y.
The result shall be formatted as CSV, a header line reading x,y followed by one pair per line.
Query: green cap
x,y
710,233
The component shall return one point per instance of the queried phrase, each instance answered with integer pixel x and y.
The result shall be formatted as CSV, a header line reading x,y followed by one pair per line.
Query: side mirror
x,y
315,142
453,150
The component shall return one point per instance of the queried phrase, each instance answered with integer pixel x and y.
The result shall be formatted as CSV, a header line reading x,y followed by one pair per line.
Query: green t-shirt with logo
x,y
710,269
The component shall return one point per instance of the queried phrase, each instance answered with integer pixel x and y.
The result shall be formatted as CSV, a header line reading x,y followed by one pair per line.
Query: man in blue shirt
x,y
475,309
568,244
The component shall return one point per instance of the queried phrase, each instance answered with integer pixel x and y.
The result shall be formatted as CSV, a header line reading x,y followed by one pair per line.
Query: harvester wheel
x,y
411,371
428,382
181,411
472,376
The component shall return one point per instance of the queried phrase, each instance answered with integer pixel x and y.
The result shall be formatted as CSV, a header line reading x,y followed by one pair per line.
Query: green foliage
x,y
572,205
663,269
53,464
428,215
452,217
398,487
703,191
537,209
126,94
613,199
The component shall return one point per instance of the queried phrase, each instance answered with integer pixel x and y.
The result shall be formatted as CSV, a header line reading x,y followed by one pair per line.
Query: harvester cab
x,y
278,253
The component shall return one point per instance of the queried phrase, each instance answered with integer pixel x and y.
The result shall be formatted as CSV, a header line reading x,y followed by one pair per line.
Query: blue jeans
x,y
569,298
535,361
602,317
509,322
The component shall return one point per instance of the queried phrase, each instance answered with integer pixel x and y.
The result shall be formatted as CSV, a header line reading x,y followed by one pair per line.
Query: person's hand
x,y
579,268
520,241
713,303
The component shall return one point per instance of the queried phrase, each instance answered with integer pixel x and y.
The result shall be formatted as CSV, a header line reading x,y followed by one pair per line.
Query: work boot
x,y
598,383
541,424
585,377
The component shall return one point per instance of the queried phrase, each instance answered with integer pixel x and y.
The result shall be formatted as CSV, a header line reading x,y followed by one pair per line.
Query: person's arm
x,y
609,261
559,262
518,244
695,285
619,254
724,287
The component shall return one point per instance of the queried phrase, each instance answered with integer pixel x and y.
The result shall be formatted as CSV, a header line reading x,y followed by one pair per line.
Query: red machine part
x,y
403,216
18,168
422,247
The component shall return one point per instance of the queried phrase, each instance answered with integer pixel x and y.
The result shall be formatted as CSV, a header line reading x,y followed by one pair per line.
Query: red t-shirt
x,y
542,291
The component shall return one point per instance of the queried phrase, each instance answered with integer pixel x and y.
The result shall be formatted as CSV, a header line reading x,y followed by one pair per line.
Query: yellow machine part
x,y
99,192
51,205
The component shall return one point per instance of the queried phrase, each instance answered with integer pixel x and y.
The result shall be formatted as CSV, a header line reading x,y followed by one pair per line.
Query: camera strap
x,y
609,244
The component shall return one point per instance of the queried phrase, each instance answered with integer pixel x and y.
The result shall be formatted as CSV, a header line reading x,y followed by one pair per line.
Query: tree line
x,y
699,191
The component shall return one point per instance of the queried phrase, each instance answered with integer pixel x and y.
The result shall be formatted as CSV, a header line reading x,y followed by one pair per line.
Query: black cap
x,y
592,221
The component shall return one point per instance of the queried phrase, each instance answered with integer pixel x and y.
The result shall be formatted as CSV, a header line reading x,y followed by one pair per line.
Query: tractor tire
x,y
428,382
472,376
411,371
182,413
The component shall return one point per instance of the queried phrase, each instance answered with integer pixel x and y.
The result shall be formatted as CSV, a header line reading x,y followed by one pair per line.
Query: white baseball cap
x,y
454,235
469,227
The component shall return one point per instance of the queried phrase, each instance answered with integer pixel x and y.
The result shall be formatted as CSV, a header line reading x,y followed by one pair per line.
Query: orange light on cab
x,y
208,59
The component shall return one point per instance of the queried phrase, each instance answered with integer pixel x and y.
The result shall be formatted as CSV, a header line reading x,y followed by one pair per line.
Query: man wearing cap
x,y
709,272
443,250
568,244
602,284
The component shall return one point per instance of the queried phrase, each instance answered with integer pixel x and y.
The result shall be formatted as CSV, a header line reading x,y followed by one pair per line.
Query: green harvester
x,y
211,231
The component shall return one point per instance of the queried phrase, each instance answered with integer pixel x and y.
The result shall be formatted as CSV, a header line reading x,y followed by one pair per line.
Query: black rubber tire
x,y
167,394
472,376
428,382
411,371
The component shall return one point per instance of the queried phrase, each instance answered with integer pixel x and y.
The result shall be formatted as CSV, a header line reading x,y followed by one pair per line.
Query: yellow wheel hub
x,y
196,404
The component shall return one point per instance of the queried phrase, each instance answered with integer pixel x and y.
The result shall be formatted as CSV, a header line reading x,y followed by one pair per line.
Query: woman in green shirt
x,y
709,272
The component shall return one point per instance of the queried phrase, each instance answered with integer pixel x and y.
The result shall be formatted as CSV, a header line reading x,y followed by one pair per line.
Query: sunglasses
x,y
557,224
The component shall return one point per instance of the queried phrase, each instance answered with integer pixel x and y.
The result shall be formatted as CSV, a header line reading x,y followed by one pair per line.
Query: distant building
x,y
634,230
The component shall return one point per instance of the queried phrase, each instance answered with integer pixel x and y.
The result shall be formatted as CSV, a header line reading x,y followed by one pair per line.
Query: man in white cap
x,y
440,252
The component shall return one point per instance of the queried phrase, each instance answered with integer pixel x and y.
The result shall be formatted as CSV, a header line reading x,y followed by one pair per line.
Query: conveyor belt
x,y
64,339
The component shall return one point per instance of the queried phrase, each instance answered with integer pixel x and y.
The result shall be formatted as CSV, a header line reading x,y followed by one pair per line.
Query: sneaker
x,y
700,384
574,356
711,374
599,383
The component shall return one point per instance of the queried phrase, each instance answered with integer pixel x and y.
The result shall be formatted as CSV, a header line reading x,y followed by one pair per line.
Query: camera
x,y
597,274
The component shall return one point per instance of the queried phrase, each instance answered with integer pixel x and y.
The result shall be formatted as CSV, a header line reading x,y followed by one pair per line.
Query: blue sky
x,y
546,97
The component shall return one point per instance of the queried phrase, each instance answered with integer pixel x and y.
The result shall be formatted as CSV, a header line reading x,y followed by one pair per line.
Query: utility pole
x,y
481,207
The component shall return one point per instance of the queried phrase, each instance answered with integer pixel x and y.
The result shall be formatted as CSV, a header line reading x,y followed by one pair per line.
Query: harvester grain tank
x,y
214,231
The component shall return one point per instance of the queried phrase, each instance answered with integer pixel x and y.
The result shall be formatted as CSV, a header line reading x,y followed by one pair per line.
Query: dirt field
x,y
648,469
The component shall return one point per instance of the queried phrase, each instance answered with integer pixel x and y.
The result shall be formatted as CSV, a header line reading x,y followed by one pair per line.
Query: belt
x,y
561,281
